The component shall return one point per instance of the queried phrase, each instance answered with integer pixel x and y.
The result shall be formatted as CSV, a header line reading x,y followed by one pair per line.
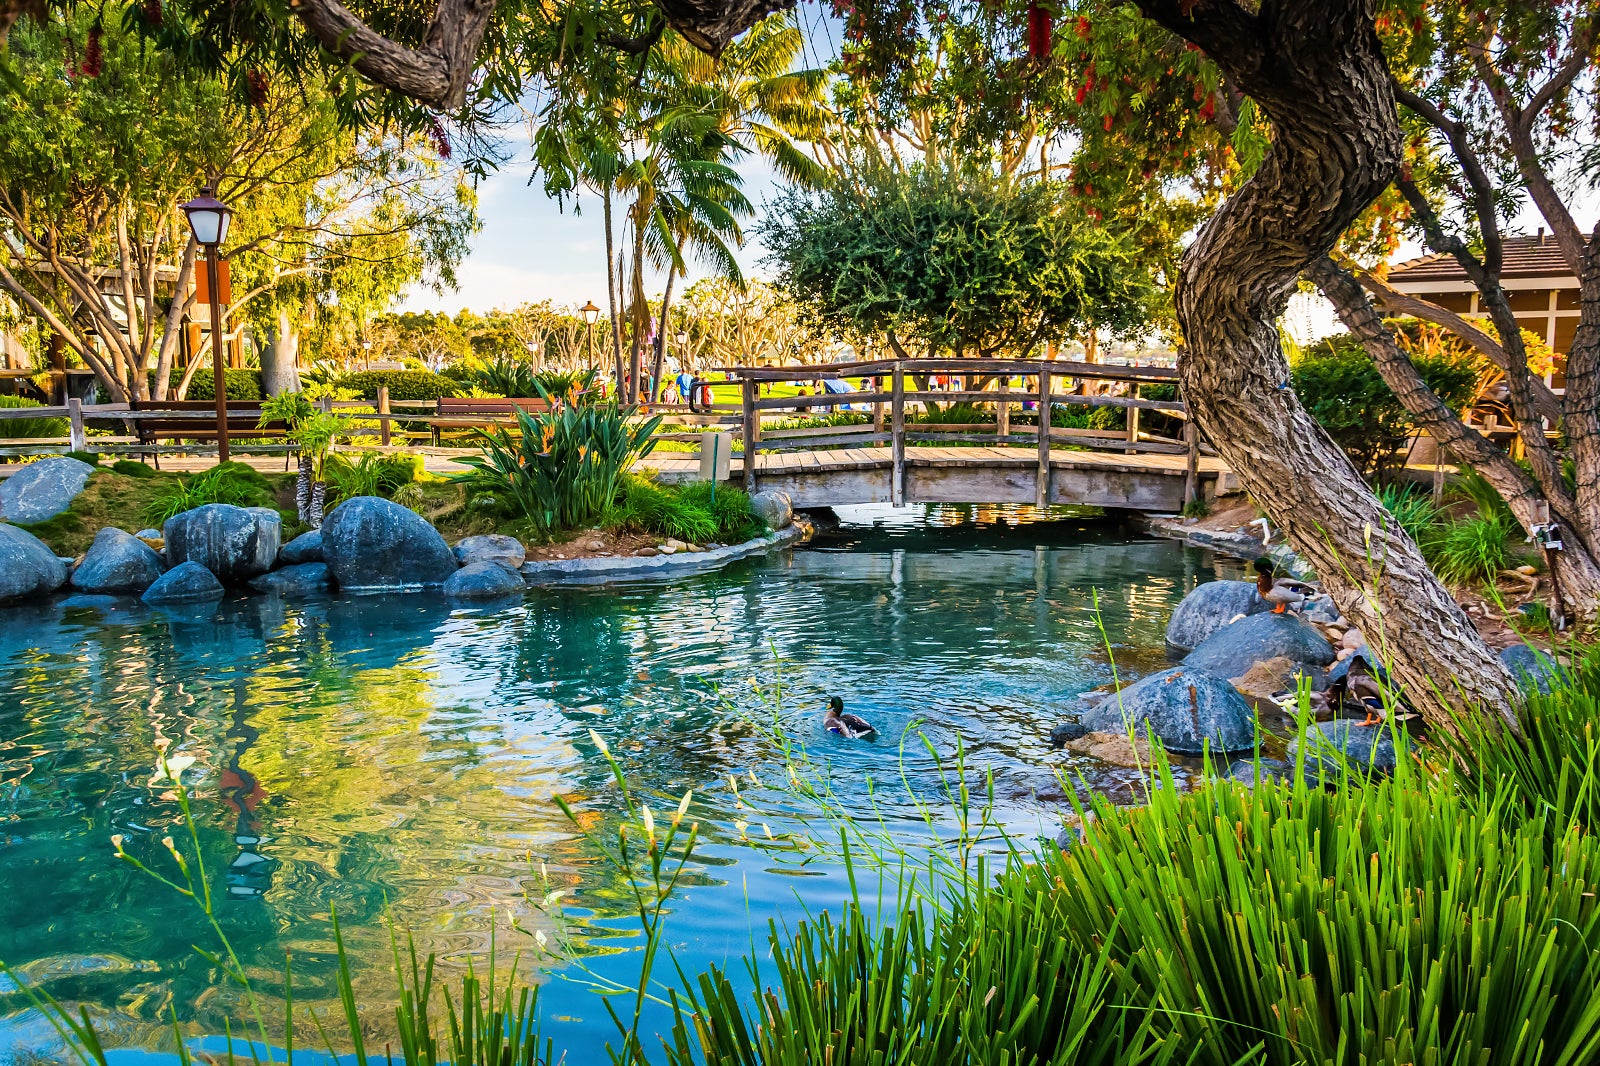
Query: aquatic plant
x,y
562,468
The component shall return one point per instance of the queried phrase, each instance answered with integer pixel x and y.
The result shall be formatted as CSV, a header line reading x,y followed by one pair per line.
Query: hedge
x,y
403,384
242,385
30,427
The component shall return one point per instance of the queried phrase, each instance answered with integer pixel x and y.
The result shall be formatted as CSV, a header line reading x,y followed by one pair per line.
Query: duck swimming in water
x,y
1281,592
846,725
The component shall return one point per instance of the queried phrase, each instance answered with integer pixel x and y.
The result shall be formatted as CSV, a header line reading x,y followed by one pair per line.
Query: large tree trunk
x,y
611,295
660,361
278,358
1576,571
1316,70
1583,389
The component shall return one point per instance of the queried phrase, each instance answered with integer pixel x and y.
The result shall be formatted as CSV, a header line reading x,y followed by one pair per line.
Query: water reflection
x,y
381,755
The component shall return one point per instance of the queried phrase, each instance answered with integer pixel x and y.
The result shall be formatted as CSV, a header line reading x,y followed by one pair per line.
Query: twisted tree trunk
x,y
1316,70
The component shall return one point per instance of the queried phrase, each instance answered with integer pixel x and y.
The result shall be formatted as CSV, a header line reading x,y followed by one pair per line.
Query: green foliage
x,y
1340,386
1474,487
1412,508
1470,549
697,512
561,469
235,483
953,259
242,385
954,414
134,468
369,474
402,384
29,427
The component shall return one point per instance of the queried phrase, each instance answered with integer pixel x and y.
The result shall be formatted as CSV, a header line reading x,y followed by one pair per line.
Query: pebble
x,y
1527,571
647,552
666,549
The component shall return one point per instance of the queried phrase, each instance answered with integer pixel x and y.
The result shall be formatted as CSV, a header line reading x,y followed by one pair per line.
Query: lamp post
x,y
208,222
590,313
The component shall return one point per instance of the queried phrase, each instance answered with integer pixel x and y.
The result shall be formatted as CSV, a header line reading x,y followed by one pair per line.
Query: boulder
x,y
1185,707
302,579
1114,749
43,489
484,581
372,544
1266,679
234,543
1321,609
774,507
491,548
117,562
306,548
1210,607
148,534
1066,732
28,568
1232,650
188,582
1534,670
1252,773
1364,747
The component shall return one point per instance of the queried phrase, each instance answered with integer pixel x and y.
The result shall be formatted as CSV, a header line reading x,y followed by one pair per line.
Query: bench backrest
x,y
198,428
486,406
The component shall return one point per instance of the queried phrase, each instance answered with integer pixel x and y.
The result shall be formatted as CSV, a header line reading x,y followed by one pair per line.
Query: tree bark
x,y
1576,569
278,358
1583,389
1316,70
611,294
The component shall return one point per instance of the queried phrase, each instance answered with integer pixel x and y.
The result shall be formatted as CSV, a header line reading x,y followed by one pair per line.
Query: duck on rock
x,y
1281,592
847,725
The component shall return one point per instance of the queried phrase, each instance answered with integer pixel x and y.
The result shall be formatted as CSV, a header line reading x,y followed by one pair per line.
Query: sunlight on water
x,y
391,755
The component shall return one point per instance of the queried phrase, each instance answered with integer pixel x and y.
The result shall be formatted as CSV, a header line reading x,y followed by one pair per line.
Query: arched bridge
x,y
899,456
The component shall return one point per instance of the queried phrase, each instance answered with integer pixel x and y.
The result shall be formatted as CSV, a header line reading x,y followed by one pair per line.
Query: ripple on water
x,y
388,756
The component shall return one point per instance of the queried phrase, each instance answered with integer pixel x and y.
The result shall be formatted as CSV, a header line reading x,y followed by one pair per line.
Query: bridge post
x,y
752,432
1191,475
1002,415
1133,423
897,432
1041,488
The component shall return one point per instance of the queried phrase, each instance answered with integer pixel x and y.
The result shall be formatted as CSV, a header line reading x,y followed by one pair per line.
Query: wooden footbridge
x,y
896,459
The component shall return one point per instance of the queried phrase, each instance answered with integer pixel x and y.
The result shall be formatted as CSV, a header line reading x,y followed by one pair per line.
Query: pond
x,y
392,758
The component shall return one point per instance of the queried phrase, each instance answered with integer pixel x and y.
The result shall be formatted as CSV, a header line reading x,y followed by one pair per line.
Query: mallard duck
x,y
846,725
1281,592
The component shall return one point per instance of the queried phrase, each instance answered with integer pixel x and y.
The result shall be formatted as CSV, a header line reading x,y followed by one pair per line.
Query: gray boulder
x,y
484,581
1232,650
117,562
1210,607
188,582
1364,747
148,534
1184,707
491,548
306,548
1252,773
373,544
774,507
43,489
302,579
1533,670
28,568
1066,733
234,543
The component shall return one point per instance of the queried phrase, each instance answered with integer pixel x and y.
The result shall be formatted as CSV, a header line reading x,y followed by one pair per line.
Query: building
x,y
1543,290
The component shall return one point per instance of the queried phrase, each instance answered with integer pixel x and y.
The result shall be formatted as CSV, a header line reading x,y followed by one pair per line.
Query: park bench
x,y
460,415
191,425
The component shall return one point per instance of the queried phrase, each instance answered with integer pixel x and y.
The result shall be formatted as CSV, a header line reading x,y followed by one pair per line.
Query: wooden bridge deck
x,y
840,476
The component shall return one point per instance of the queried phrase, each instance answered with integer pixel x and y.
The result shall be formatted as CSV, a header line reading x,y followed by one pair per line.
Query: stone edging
x,y
1237,544
635,567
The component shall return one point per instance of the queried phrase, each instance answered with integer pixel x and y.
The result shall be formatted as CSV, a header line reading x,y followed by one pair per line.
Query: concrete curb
x,y
646,568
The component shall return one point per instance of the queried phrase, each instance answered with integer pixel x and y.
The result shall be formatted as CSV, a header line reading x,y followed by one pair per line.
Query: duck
x,y
849,726
1281,592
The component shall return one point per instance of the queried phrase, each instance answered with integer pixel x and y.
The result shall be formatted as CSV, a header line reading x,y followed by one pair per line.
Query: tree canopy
x,y
961,261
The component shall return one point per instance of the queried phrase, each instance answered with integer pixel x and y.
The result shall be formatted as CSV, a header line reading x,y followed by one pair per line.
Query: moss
x,y
135,469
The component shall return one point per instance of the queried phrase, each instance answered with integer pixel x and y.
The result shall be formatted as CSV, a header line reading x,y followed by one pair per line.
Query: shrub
x,y
954,414
134,468
242,385
562,469
1470,549
92,458
1412,509
29,427
235,483
370,473
1340,386
691,512
402,384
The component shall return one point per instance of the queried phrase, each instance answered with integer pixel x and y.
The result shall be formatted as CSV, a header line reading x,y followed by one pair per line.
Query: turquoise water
x,y
392,756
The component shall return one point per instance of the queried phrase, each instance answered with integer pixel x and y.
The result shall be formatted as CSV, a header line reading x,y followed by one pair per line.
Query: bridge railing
x,y
893,388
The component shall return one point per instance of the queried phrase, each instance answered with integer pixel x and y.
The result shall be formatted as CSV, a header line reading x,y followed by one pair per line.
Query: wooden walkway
x,y
841,476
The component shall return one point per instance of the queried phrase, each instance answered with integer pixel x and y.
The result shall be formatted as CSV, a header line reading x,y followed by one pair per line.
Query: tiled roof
x,y
1524,257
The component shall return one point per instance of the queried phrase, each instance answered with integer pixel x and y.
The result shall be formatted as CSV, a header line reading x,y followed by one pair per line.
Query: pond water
x,y
395,757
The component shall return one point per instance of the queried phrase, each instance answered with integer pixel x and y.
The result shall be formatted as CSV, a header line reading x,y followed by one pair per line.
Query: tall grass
x,y
1470,549
29,427
1412,509
698,512
232,483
